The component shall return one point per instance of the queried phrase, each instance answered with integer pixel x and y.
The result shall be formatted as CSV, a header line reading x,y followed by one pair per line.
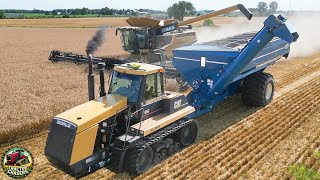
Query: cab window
x,y
126,85
153,86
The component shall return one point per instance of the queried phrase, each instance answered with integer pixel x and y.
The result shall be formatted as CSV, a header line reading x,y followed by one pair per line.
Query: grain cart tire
x,y
258,89
139,159
188,134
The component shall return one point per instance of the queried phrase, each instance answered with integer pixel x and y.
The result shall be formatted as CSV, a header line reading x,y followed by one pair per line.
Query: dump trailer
x,y
137,124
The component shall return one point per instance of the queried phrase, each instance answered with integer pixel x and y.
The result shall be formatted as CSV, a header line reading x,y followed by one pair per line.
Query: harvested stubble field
x,y
65,22
261,143
33,89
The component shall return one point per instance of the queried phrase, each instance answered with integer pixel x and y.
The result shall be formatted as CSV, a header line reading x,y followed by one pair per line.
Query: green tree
x,y
84,11
262,8
273,6
208,22
135,13
54,12
2,15
76,12
181,9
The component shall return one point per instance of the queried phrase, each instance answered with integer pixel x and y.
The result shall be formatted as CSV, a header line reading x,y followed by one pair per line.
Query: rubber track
x,y
237,149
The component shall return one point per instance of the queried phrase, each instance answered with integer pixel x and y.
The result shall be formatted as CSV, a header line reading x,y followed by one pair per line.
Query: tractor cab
x,y
141,83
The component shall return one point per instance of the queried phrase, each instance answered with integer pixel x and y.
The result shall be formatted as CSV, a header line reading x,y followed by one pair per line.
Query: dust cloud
x,y
238,26
307,25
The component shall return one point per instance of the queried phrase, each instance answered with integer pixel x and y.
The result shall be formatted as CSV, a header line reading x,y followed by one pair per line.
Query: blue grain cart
x,y
219,69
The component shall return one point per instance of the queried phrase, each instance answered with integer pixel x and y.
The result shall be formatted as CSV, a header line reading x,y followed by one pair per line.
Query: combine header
x,y
136,124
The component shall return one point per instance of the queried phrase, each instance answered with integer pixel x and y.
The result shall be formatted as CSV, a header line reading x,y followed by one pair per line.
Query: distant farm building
x,y
14,15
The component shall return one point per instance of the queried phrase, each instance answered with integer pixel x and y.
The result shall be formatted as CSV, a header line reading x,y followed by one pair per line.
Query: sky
x,y
150,4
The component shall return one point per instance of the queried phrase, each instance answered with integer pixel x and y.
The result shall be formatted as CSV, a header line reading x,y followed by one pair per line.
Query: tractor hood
x,y
93,112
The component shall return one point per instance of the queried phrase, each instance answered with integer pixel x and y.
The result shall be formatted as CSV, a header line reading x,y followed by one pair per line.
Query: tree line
x,y
1,14
183,8
177,11
85,11
264,9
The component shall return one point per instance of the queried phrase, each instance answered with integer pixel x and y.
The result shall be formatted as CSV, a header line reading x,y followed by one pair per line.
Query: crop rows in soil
x,y
275,163
234,151
297,72
307,156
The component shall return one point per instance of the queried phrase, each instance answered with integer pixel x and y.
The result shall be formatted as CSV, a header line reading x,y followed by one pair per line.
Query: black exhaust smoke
x,y
92,46
96,40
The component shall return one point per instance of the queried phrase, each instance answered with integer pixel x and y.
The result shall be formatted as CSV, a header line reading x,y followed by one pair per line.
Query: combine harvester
x,y
149,40
136,124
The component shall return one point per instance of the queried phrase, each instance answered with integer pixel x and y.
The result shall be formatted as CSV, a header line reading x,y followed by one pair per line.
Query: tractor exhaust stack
x,y
101,67
92,46
90,79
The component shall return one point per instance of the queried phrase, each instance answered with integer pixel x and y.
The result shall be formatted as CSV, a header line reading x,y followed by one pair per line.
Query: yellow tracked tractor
x,y
135,121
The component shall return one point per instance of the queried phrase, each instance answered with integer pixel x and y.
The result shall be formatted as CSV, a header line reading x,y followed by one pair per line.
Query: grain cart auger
x,y
149,40
137,124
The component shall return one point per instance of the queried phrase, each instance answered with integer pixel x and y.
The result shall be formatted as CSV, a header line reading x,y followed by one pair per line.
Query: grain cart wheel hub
x,y
269,91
